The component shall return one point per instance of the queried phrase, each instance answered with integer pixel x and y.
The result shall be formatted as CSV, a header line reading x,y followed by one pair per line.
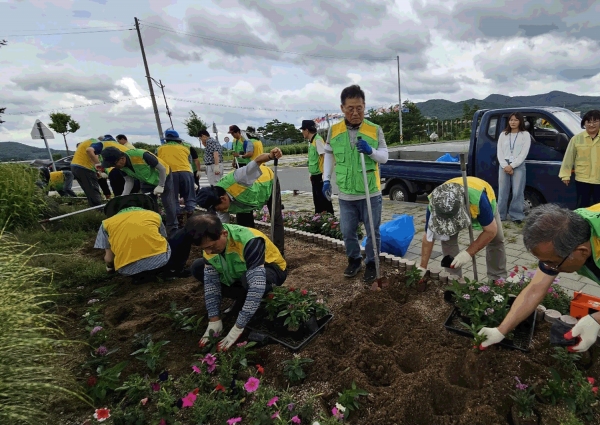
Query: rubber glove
x,y
158,190
461,259
587,330
494,336
198,174
215,327
230,339
103,175
327,190
363,147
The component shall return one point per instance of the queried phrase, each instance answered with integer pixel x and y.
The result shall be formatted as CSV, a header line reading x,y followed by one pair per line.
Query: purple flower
x,y
291,406
489,311
93,301
95,330
102,350
485,289
520,385
530,274
466,296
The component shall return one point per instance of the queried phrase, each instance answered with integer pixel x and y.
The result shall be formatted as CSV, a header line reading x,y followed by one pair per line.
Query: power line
x,y
72,28
78,106
253,46
65,33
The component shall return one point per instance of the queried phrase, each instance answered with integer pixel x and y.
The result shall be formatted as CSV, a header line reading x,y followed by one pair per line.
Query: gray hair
x,y
561,226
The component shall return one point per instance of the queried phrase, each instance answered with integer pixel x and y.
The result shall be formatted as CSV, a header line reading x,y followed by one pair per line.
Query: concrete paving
x,y
515,250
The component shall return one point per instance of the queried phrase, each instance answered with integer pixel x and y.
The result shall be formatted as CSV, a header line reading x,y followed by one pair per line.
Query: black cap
x,y
308,125
110,156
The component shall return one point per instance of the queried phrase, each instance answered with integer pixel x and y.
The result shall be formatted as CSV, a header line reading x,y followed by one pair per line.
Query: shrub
x,y
21,201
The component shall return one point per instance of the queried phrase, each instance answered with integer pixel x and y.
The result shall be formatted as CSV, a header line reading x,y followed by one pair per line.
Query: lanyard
x,y
511,143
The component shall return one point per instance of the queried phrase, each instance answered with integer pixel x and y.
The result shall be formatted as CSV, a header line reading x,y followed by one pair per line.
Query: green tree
x,y
63,124
469,111
413,121
388,121
194,124
280,131
56,156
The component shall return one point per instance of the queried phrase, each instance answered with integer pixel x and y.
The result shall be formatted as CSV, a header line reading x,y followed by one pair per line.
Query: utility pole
x,y
158,125
162,87
399,101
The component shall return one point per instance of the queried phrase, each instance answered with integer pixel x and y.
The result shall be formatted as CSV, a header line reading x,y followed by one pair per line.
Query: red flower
x,y
220,388
271,296
304,292
292,289
91,381
591,380
196,391
102,414
260,369
524,268
516,269
595,390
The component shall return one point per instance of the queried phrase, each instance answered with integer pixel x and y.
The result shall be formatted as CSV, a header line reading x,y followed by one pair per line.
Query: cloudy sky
x,y
227,59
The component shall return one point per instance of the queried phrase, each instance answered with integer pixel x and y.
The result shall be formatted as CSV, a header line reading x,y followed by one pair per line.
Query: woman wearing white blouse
x,y
513,147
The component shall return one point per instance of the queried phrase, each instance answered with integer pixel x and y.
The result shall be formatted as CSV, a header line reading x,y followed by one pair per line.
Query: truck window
x,y
492,128
542,130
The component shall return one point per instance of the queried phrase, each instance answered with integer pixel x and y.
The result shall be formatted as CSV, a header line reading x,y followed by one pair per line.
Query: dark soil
x,y
392,343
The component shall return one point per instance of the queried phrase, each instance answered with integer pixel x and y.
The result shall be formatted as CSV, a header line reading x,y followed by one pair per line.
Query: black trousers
x,y
247,219
117,182
239,288
103,183
588,194
320,201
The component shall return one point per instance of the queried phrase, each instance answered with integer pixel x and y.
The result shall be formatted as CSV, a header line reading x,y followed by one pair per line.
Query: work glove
x,y
587,330
460,260
110,267
195,187
233,335
198,174
103,175
493,336
422,269
327,190
99,167
215,327
363,147
158,190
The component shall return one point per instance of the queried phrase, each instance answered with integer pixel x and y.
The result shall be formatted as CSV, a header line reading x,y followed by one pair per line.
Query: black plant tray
x,y
522,335
295,341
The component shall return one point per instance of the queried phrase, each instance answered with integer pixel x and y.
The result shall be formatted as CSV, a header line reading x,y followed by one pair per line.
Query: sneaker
x,y
354,266
518,222
370,273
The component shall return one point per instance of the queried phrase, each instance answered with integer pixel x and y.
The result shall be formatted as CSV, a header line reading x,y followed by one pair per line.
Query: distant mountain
x,y
445,109
13,151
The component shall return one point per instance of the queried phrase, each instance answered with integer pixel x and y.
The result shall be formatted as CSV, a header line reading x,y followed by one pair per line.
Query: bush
x,y
21,201
29,370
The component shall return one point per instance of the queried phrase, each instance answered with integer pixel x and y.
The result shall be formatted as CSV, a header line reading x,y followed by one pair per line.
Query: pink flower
x,y
155,386
188,400
272,401
591,380
196,369
233,421
290,406
242,344
162,422
102,414
252,384
296,420
144,401
595,390
337,414
209,359
275,415
95,330
102,350
550,290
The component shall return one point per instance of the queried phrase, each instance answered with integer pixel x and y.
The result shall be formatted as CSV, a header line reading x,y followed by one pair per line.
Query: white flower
x,y
87,313
514,279
340,407
498,298
316,423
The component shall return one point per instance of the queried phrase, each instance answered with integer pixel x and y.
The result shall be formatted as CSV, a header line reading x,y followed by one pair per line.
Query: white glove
x,y
158,190
230,339
99,167
198,174
494,336
195,187
216,327
103,175
463,258
587,330
110,269
422,270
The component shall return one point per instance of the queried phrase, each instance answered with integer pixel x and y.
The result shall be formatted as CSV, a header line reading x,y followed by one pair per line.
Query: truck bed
x,y
429,151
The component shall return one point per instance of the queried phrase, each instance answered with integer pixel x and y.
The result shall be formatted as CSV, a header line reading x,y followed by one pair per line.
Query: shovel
x,y
463,170
377,285
60,217
273,200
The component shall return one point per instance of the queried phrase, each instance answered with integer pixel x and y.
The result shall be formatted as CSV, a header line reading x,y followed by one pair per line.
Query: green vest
x,y
238,146
348,168
315,161
248,198
192,162
592,216
141,170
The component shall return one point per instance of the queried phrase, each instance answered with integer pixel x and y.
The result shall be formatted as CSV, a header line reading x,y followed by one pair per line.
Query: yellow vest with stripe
x,y
315,160
175,155
133,235
592,216
141,170
231,265
248,198
81,157
476,189
57,181
258,148
348,168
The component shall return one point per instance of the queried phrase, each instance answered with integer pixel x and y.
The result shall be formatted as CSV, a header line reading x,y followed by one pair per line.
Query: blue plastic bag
x,y
396,235
447,158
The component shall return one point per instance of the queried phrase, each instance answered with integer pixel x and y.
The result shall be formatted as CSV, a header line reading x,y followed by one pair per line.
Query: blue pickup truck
x,y
413,170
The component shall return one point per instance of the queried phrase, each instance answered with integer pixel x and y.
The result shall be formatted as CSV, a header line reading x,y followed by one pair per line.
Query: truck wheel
x,y
532,200
399,192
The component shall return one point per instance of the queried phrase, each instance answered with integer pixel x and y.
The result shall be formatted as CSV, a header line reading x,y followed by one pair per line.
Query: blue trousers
x,y
517,183
183,185
351,214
